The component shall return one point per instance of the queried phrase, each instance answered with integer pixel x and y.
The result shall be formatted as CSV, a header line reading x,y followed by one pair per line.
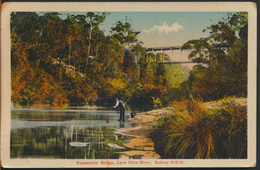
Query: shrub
x,y
193,131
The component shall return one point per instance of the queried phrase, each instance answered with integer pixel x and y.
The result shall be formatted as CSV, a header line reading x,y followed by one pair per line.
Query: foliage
x,y
57,61
156,102
177,74
52,143
39,53
225,53
124,34
193,131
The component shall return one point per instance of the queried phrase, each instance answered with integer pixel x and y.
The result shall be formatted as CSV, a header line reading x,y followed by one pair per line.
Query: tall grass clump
x,y
193,131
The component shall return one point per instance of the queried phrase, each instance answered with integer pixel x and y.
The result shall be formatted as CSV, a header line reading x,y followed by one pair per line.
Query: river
x,y
74,133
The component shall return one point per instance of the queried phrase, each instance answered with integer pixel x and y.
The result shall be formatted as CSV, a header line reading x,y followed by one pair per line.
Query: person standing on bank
x,y
122,105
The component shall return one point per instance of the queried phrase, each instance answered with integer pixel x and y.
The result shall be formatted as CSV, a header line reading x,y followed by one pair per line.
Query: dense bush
x,y
193,131
50,62
224,54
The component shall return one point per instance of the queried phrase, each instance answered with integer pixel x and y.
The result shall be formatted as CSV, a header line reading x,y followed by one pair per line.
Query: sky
x,y
162,29
159,29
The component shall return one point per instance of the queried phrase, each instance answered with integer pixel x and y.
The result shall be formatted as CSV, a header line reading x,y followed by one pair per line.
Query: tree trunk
x,y
69,57
89,42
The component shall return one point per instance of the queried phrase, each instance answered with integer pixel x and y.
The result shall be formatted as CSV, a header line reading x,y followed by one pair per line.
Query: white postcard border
x,y
7,8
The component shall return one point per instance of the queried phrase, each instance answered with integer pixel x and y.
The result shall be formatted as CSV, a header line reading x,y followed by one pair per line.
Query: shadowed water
x,y
72,134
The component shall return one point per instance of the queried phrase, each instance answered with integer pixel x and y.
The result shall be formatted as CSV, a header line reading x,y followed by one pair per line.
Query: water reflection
x,y
121,124
72,136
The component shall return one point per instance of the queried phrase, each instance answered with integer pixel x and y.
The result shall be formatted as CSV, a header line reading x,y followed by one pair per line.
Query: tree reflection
x,y
53,142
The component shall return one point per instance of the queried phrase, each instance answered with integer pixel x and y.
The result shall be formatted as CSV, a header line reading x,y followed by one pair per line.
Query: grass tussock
x,y
193,131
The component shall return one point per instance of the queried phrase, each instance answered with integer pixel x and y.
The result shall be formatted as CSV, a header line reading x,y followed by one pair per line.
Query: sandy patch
x,y
142,124
139,155
140,143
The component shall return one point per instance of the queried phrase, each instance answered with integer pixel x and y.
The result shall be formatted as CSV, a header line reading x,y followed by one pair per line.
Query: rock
x,y
115,146
79,144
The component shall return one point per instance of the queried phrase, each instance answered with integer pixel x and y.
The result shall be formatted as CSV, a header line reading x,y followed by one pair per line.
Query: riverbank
x,y
142,124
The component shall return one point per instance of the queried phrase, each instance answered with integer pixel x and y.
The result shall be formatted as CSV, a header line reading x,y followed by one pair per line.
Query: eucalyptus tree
x,y
53,35
27,26
140,61
225,53
124,33
126,37
93,21
76,41
219,43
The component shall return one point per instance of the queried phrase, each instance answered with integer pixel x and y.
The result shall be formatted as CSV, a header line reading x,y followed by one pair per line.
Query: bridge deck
x,y
158,48
163,48
177,62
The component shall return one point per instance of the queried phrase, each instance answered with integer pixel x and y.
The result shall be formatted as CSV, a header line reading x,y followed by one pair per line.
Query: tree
x,y
94,21
27,26
126,36
53,35
124,33
176,74
225,53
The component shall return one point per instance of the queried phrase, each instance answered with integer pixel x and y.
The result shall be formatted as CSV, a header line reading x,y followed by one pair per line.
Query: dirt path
x,y
142,124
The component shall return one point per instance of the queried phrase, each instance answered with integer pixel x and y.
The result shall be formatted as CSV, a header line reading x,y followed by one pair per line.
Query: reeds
x,y
194,131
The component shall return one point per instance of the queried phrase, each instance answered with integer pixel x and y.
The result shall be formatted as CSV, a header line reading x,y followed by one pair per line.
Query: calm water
x,y
72,134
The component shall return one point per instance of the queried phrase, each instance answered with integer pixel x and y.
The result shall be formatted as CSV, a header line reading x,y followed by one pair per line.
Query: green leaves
x,y
100,18
225,53
222,35
26,25
176,74
124,33
156,102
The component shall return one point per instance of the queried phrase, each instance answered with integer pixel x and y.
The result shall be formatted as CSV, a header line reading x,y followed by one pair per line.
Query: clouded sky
x,y
164,28
160,29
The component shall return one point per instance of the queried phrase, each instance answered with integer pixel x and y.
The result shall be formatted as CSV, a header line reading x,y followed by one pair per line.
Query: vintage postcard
x,y
128,84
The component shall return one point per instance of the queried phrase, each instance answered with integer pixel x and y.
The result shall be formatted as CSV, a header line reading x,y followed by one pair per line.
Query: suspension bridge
x,y
173,58
164,50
